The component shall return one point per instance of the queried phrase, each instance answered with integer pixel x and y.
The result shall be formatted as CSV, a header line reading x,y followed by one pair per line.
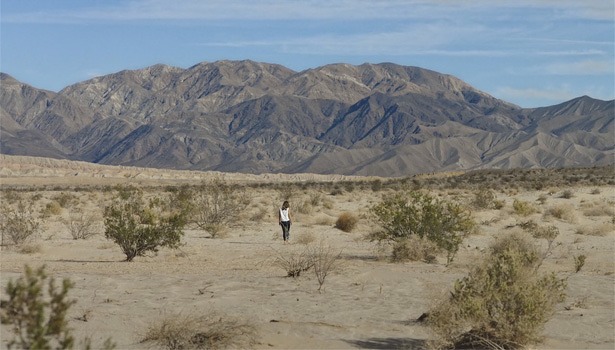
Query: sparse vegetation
x,y
210,331
501,304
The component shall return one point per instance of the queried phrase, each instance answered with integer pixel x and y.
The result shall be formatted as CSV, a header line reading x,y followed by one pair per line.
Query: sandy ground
x,y
367,302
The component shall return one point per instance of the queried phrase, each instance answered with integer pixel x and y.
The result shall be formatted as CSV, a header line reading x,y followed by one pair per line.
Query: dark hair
x,y
285,205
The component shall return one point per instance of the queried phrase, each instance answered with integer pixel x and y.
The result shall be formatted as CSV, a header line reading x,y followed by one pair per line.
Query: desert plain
x,y
366,302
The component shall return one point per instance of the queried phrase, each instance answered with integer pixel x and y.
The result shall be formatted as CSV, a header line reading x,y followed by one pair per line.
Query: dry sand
x,y
367,302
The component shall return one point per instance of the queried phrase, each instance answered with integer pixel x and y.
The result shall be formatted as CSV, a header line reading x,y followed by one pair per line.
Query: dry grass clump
x,y
598,209
346,222
597,230
523,208
564,212
502,303
414,249
212,331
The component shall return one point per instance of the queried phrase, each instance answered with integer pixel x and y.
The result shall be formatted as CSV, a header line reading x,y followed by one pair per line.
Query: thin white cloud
x,y
586,67
532,94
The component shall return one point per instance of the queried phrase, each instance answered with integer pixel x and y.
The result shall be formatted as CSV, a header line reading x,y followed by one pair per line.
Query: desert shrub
x,y
36,311
213,331
80,225
10,196
567,194
65,199
414,248
405,214
542,199
598,209
596,230
215,206
484,199
51,208
324,260
294,261
139,227
18,224
346,222
523,208
564,212
29,248
501,304
579,262
595,191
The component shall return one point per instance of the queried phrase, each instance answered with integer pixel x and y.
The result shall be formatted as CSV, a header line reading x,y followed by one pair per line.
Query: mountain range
x,y
244,116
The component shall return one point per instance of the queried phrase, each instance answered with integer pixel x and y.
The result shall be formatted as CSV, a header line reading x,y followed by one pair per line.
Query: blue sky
x,y
531,53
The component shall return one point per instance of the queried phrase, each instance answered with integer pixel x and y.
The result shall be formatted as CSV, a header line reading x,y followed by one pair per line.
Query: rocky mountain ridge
x,y
244,116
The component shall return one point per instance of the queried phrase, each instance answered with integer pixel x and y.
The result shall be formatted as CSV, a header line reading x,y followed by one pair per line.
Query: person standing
x,y
285,220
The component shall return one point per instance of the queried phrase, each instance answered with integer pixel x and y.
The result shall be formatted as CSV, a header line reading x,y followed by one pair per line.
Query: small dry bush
x,y
51,208
523,208
567,194
18,224
30,248
414,249
486,199
325,259
598,209
294,260
596,230
346,222
564,212
81,225
502,304
212,331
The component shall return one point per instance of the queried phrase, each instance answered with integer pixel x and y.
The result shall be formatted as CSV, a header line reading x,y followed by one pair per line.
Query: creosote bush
x,y
406,214
346,222
523,208
18,224
212,331
139,226
36,310
502,304
215,205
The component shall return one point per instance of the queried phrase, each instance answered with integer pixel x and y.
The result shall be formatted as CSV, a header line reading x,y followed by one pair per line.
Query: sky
x,y
529,52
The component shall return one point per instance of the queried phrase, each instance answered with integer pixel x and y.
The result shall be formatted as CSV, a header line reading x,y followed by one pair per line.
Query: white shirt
x,y
284,214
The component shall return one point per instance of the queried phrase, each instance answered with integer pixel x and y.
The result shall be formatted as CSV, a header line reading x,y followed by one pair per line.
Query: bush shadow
x,y
389,343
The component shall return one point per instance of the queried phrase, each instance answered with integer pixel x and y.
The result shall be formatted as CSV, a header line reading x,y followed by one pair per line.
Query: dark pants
x,y
285,230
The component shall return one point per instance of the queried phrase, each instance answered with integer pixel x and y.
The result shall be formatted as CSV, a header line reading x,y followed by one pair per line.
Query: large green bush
x,y
502,304
139,226
415,213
